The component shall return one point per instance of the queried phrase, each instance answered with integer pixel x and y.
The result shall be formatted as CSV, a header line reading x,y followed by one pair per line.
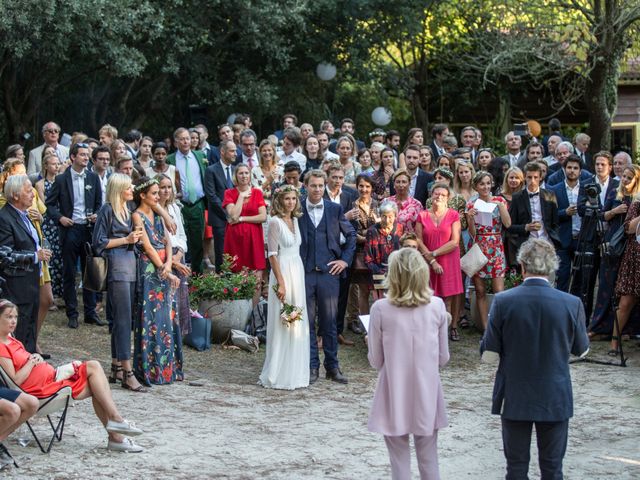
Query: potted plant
x,y
224,297
512,278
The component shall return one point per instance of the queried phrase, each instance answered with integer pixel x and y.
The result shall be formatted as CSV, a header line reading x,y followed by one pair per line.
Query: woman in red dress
x,y
243,238
38,378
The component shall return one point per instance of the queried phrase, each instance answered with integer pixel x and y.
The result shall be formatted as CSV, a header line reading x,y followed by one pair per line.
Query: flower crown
x,y
286,188
147,184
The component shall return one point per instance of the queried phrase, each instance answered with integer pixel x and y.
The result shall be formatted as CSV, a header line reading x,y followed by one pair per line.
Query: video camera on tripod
x,y
13,261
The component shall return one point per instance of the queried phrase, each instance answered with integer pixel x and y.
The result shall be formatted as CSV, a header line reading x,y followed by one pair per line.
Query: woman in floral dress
x,y
51,165
158,342
489,239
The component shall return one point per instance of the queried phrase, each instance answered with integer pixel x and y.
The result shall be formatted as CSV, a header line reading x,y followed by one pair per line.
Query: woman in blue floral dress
x,y
158,342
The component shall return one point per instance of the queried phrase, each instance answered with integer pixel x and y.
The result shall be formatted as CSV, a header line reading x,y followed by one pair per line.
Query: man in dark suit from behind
x,y
217,179
534,328
73,201
534,211
19,235
336,192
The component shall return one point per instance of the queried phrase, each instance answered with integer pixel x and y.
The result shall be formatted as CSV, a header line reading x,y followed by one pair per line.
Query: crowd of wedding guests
x,y
162,210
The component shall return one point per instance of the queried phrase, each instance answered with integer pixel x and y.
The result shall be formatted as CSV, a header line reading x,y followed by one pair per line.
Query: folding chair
x,y
57,402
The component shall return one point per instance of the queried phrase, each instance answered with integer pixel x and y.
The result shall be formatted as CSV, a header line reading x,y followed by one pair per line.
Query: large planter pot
x,y
475,313
225,315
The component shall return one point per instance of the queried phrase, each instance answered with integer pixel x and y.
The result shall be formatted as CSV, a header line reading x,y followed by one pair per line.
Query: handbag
x,y
616,244
68,371
95,271
473,261
243,341
200,336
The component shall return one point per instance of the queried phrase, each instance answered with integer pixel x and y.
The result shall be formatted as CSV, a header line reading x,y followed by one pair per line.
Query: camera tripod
x,y
589,241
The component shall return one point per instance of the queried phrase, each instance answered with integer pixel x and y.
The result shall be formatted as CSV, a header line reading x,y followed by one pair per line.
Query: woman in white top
x,y
159,151
267,173
179,243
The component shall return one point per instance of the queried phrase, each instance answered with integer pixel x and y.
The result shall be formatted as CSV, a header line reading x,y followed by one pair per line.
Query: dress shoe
x,y
73,322
313,376
96,320
355,328
335,375
344,341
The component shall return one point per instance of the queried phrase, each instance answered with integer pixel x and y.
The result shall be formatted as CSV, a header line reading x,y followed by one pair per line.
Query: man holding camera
x,y
590,206
22,257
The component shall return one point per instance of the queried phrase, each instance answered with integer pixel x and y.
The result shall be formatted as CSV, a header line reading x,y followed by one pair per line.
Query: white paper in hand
x,y
485,212
365,321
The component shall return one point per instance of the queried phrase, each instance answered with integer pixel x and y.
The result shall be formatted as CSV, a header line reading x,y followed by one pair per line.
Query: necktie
x,y
531,195
250,162
191,194
229,182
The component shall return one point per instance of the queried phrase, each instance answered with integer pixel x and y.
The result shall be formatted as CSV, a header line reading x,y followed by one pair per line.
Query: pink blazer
x,y
407,346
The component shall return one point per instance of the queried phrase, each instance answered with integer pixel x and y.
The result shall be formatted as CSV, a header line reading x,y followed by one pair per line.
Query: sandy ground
x,y
231,428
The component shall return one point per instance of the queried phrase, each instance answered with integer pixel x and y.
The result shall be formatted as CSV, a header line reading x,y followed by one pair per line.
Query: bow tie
x,y
318,206
531,195
79,175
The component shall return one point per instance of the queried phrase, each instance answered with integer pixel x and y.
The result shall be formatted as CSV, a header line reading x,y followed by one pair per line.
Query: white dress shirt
x,y
603,189
572,195
297,156
536,215
315,214
79,209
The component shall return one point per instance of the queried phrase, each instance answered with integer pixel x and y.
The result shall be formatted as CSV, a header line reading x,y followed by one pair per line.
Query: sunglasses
x,y
52,131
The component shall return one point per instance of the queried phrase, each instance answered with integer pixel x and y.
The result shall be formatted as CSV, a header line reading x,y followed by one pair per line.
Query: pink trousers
x,y
426,454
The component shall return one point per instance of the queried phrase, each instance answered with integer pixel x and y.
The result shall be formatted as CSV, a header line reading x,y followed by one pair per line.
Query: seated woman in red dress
x,y
38,378
243,237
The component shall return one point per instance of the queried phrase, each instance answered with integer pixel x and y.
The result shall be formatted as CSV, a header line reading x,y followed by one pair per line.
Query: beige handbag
x,y
473,261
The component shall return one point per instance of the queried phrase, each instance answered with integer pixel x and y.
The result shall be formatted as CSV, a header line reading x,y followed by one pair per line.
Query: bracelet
x,y
240,219
433,260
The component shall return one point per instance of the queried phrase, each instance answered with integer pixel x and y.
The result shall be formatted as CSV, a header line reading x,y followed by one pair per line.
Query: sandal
x,y
613,352
464,322
125,385
454,336
115,370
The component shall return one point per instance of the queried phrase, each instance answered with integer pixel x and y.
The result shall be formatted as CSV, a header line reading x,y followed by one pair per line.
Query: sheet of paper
x,y
485,212
365,321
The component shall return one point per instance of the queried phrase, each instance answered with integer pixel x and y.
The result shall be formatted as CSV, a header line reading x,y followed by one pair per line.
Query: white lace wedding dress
x,y
286,365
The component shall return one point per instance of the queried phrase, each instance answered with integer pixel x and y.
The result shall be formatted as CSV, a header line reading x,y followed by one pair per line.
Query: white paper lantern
x,y
381,116
326,71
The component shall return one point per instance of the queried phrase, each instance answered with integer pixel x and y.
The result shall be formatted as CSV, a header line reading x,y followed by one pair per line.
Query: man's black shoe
x,y
73,322
335,375
313,376
95,321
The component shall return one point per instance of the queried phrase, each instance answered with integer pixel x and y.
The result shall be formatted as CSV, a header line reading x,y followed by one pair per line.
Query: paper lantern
x,y
534,128
326,71
381,116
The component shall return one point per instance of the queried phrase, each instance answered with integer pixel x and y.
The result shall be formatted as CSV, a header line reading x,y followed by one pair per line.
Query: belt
x,y
317,269
187,204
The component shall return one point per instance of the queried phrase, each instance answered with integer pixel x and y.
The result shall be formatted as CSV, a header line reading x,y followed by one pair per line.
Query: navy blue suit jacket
x,y
215,183
565,221
336,224
558,176
534,328
60,199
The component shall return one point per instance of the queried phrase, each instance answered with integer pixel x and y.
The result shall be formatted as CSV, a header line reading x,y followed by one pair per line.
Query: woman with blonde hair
x,y
513,182
462,179
286,365
114,237
408,397
616,205
267,173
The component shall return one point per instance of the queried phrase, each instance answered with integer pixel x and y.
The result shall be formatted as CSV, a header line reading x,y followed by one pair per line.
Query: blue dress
x,y
158,342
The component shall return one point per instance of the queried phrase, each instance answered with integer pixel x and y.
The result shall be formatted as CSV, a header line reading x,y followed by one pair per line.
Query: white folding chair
x,y
57,402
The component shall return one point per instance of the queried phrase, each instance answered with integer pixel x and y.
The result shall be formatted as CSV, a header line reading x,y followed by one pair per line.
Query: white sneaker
x,y
126,445
123,427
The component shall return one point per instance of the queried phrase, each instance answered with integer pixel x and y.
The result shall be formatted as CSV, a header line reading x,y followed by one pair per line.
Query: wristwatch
x,y
434,254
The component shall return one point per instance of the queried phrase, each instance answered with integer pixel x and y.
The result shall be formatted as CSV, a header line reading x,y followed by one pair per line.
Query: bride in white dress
x,y
286,365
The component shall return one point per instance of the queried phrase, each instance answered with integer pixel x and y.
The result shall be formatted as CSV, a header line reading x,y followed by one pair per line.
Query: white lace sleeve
x,y
272,237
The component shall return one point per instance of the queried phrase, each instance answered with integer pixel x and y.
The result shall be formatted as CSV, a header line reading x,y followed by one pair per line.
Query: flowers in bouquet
x,y
288,313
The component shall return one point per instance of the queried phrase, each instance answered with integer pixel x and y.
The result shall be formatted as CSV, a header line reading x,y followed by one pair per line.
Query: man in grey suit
x,y
534,328
51,135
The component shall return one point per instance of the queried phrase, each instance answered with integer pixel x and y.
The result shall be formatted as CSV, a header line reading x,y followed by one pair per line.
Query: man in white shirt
x,y
291,140
323,140
101,158
51,135
552,143
581,143
438,133
620,161
513,142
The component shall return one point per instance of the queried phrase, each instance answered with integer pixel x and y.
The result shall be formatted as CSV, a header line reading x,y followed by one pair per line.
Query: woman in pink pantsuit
x,y
407,345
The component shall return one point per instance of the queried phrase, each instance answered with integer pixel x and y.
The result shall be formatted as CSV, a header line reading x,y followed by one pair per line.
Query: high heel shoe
x,y
128,374
115,370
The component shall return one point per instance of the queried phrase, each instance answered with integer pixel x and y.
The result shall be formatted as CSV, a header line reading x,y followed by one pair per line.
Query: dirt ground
x,y
231,428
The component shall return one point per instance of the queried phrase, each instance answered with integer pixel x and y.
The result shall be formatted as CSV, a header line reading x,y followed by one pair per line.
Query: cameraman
x,y
21,273
591,201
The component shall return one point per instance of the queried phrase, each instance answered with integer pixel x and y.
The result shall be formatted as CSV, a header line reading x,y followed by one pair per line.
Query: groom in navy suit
x,y
324,261
534,328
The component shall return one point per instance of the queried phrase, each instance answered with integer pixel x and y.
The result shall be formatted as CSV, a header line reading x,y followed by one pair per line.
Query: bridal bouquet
x,y
288,313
